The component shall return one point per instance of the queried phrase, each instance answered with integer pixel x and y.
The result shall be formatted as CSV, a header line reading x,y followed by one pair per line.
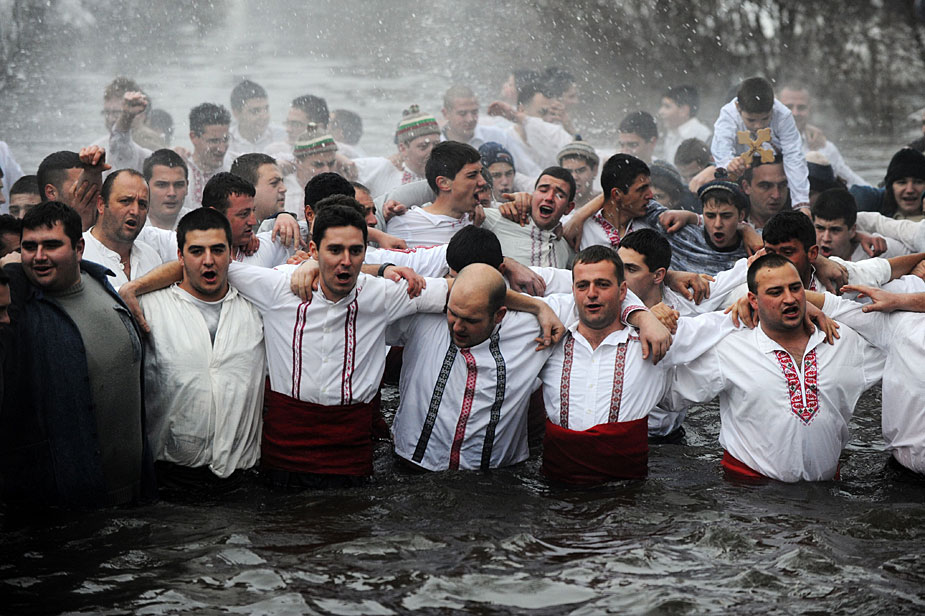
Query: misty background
x,y
864,60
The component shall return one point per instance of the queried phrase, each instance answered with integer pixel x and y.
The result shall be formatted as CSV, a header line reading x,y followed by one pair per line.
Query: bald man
x,y
467,377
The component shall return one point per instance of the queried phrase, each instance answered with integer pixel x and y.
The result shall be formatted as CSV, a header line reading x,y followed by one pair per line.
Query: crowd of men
x,y
192,318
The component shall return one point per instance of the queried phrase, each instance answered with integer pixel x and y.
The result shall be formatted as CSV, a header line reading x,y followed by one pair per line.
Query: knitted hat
x,y
313,141
722,184
415,124
578,148
493,152
907,163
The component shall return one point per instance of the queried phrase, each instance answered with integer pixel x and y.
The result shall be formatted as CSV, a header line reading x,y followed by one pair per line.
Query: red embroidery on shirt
x,y
468,397
616,391
350,346
613,234
298,333
805,410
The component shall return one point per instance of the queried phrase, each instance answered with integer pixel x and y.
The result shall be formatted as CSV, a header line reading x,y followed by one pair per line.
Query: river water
x,y
685,541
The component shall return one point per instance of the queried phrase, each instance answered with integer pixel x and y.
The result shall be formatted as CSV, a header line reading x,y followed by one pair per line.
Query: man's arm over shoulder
x,y
265,288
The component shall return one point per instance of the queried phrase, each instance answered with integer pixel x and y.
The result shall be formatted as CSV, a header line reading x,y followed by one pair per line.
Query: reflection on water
x,y
684,541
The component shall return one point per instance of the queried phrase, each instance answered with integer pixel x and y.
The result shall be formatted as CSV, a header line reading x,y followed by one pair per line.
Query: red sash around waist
x,y
312,438
736,469
618,450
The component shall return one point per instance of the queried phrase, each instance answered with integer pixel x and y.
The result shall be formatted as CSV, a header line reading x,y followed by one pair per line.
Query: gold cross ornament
x,y
754,146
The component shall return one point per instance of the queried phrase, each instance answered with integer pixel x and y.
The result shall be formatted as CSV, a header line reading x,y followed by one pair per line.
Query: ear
x,y
309,218
444,184
741,215
51,193
402,148
80,248
659,275
100,204
570,207
812,253
753,301
853,230
623,289
500,314
616,195
193,136
313,250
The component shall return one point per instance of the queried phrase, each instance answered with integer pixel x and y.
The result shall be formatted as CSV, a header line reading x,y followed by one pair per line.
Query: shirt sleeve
x,y
725,283
697,335
124,152
904,231
631,303
792,149
724,135
398,304
547,138
869,272
261,286
698,381
557,280
875,327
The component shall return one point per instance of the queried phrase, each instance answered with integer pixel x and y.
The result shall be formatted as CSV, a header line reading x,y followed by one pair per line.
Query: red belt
x,y
618,450
303,437
736,469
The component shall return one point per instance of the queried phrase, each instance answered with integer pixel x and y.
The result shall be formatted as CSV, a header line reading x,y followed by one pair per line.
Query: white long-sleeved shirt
x,y
546,139
204,399
784,136
324,352
270,253
418,227
529,245
910,233
143,259
788,422
673,137
587,387
380,176
428,261
901,336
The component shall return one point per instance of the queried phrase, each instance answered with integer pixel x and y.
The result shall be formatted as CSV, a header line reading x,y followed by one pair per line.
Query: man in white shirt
x,y
796,98
208,125
168,182
900,336
454,173
597,389
678,113
262,171
785,397
315,152
251,130
203,365
416,135
112,241
835,214
467,377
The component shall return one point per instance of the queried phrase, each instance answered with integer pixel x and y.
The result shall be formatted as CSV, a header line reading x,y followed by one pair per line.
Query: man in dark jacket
x,y
74,436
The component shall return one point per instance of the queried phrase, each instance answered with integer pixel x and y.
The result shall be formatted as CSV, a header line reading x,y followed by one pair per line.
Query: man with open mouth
x,y
112,241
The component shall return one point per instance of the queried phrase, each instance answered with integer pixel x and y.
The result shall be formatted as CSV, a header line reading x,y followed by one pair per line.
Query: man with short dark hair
x,y
638,135
262,171
81,442
24,193
835,215
678,113
208,125
167,176
74,179
203,423
454,173
786,399
10,232
692,157
112,241
768,190
251,130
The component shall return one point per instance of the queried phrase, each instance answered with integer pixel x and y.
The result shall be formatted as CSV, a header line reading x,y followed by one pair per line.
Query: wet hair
x,y
598,254
357,187
684,95
10,224
654,248
202,219
207,114
53,169
49,213
119,86
790,225
325,185
455,93
315,107
693,150
447,159
620,171
26,185
523,76
836,203
755,95
557,80
771,261
221,186
165,158
640,123
473,244
725,197
350,125
245,91
338,211
106,188
669,181
248,166
161,121
560,173
528,91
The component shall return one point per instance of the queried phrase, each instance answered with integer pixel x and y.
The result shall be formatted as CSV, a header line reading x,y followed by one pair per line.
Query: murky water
x,y
683,542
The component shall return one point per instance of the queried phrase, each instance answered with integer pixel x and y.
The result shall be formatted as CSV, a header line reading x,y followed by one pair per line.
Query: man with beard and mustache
x,y
203,423
785,397
112,241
